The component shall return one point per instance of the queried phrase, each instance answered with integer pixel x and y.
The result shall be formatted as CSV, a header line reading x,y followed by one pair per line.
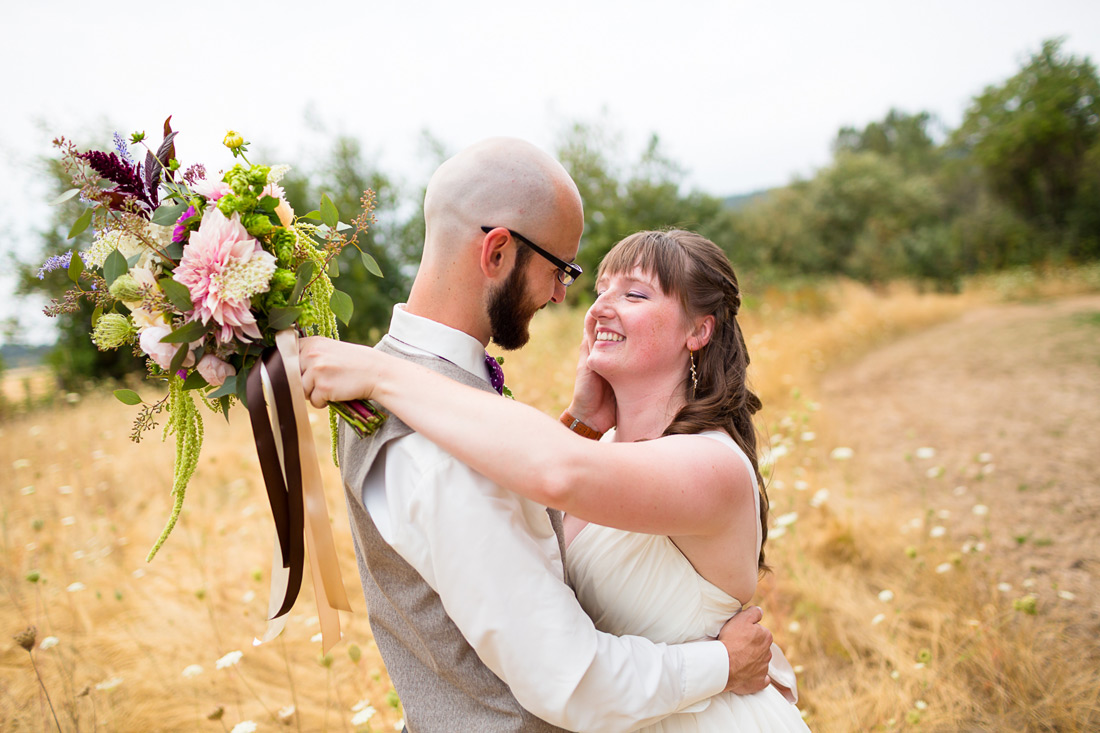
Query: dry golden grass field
x,y
935,493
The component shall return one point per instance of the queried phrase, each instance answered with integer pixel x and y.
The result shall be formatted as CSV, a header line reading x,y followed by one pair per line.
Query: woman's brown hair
x,y
694,269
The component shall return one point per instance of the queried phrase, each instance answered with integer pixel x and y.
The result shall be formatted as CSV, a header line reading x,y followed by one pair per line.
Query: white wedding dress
x,y
640,584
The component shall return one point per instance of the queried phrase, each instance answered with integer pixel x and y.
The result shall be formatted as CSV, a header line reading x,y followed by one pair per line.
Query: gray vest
x,y
442,683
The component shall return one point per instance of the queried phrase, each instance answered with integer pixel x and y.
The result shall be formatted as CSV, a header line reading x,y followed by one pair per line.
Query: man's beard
x,y
509,312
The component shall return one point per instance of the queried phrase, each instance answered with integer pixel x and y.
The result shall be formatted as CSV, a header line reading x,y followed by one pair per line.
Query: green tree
x,y
623,197
1030,135
904,138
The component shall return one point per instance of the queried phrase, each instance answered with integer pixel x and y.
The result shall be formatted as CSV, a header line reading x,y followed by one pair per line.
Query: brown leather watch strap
x,y
578,427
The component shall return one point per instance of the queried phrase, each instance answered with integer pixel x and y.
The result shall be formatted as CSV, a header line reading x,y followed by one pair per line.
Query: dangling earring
x,y
694,376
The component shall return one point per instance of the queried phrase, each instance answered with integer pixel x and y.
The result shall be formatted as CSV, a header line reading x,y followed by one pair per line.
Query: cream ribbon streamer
x,y
324,566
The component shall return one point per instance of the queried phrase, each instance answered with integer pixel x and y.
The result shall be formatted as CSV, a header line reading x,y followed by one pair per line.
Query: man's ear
x,y
700,336
496,254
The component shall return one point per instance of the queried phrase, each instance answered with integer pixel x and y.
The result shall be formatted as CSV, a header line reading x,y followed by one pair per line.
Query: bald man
x,y
465,581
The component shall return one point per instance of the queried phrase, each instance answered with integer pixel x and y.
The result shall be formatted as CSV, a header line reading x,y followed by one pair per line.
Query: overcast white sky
x,y
743,95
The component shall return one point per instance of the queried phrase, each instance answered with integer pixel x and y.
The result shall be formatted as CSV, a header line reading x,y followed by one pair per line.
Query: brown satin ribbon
x,y
292,475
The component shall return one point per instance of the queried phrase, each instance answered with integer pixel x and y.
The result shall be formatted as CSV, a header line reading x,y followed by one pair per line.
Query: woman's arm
x,y
676,485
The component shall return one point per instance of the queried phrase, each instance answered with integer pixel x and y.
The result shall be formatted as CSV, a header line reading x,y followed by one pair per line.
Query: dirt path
x,y
1008,397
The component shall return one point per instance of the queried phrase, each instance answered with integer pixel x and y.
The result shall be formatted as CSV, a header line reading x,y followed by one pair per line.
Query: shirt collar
x,y
432,337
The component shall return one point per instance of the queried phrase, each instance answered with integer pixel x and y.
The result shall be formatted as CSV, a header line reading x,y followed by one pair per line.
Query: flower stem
x,y
42,684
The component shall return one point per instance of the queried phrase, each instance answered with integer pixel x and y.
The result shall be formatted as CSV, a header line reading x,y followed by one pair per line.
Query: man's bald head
x,y
500,182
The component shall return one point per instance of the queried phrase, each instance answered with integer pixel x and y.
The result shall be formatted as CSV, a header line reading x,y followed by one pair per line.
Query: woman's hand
x,y
336,371
593,401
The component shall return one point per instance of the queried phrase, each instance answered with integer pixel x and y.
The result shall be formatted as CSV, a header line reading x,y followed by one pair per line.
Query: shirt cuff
x,y
706,670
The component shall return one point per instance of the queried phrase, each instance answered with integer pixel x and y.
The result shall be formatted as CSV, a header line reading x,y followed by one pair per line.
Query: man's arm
x,y
484,550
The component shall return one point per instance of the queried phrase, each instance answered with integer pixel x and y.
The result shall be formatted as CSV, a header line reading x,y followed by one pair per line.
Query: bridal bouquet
x,y
212,277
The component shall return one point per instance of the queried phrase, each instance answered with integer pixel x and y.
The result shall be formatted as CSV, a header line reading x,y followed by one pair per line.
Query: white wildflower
x,y
139,573
245,726
878,619
985,457
249,596
960,490
943,567
287,711
926,452
1028,583
920,705
68,521
361,705
937,531
801,485
934,472
988,469
895,675
820,497
229,659
363,716
786,520
980,510
48,643
26,490
794,627
77,586
841,454
109,684
20,463
1066,595
776,533
1004,587
808,436
886,595
316,637
399,725
276,173
192,670
944,514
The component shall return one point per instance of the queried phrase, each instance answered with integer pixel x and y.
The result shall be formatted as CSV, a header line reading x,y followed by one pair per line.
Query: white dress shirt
x,y
493,558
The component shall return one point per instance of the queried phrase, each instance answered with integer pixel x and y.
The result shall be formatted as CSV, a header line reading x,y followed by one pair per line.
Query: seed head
x,y
26,637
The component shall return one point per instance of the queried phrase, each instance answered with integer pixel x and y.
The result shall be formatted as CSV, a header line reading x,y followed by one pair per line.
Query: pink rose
x,y
214,370
162,353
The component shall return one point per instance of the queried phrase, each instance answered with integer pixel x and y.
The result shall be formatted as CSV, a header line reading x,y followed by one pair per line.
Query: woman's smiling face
x,y
636,328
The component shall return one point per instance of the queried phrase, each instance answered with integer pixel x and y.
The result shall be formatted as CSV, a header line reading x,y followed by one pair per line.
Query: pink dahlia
x,y
223,266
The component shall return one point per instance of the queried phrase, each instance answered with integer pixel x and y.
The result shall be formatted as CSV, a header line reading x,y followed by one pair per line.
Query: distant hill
x,y
742,200
13,356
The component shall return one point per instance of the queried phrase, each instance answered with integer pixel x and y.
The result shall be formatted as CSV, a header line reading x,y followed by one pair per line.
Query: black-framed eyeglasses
x,y
568,272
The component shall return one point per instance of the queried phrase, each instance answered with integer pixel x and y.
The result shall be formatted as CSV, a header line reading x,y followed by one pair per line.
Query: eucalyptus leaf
x,y
128,396
178,359
242,385
372,265
223,403
113,266
280,318
177,293
342,227
229,387
313,215
76,266
168,215
195,380
302,277
65,196
342,305
174,251
186,333
268,203
132,260
330,215
81,223
333,267
96,315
